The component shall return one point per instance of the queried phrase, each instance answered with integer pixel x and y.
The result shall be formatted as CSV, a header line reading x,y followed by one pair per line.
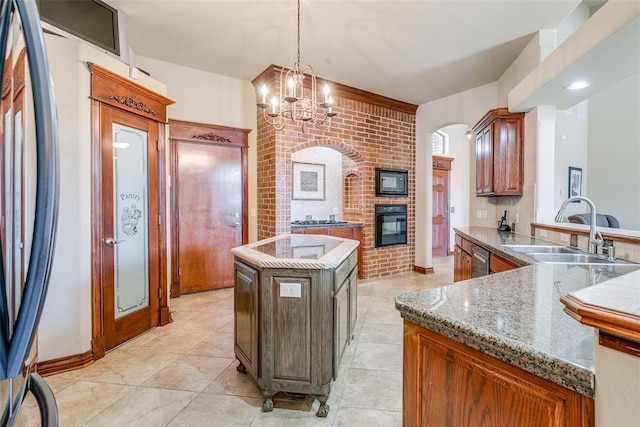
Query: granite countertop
x,y
308,251
517,316
337,224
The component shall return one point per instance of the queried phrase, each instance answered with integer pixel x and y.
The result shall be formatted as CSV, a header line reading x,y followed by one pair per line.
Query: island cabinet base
x,y
446,383
292,326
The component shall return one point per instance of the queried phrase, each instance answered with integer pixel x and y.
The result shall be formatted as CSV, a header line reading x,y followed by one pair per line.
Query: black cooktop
x,y
317,221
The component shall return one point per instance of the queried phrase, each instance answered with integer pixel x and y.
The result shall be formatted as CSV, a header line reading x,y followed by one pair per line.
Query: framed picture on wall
x,y
575,182
308,181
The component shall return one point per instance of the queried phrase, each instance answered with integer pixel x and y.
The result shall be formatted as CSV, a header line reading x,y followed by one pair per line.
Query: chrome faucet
x,y
595,238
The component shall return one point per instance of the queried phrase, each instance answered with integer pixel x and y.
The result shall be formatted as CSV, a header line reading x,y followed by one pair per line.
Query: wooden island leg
x,y
323,410
267,400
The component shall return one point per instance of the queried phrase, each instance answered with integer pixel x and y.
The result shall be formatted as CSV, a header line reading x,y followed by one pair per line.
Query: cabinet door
x,y
457,264
474,389
508,169
467,266
353,302
340,324
484,161
245,321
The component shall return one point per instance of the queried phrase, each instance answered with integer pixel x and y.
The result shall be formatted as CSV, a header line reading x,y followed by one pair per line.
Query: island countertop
x,y
315,252
517,316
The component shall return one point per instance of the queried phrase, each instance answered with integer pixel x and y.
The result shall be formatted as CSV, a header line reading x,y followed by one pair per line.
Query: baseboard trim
x,y
423,270
65,364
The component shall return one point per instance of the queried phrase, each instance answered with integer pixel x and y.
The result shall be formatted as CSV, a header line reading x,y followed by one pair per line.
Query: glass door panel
x,y
131,220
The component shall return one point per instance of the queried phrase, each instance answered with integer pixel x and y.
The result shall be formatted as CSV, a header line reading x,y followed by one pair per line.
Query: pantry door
x,y
129,261
130,226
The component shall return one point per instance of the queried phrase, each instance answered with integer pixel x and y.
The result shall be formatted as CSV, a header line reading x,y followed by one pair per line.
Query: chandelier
x,y
291,105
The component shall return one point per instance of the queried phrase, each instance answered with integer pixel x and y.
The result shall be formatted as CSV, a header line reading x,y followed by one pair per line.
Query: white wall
x,y
465,107
210,98
321,209
572,22
540,46
459,178
613,178
570,149
65,326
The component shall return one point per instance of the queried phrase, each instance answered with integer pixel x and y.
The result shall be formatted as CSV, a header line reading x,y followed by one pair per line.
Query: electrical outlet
x,y
517,218
478,214
484,214
291,290
564,237
253,211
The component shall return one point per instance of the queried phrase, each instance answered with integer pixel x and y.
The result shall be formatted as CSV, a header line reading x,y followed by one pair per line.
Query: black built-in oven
x,y
391,225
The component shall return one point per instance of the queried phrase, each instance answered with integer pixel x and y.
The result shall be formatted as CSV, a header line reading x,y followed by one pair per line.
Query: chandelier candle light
x,y
291,103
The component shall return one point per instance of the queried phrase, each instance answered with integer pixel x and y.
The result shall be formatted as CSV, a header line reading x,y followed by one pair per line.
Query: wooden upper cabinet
x,y
499,153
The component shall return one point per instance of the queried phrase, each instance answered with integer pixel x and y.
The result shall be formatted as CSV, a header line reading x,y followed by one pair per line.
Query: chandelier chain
x,y
290,104
298,63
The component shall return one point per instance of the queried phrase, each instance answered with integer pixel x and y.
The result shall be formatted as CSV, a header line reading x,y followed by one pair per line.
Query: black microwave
x,y
392,182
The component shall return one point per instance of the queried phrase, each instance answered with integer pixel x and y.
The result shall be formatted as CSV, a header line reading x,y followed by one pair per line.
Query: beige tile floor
x,y
184,374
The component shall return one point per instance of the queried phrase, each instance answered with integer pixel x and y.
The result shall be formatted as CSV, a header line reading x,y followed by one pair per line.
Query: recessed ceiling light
x,y
578,85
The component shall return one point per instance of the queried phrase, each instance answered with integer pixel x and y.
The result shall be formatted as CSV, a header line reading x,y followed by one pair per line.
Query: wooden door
x,y
127,209
130,226
209,205
440,215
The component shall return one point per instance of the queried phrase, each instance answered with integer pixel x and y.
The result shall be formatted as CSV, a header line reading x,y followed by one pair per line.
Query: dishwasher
x,y
480,261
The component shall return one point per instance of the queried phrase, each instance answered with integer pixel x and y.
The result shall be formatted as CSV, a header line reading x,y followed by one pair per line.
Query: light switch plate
x,y
290,290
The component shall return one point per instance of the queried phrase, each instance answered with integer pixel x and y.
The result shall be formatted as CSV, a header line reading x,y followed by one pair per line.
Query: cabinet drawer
x,y
345,232
343,270
341,274
353,260
324,231
467,246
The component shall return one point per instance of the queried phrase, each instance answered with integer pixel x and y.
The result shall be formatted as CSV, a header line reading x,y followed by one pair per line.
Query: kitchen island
x,y
295,308
344,229
499,350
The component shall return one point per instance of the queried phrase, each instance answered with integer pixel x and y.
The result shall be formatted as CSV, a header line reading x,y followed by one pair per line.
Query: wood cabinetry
x,y
497,264
449,383
462,259
354,233
499,153
294,341
245,320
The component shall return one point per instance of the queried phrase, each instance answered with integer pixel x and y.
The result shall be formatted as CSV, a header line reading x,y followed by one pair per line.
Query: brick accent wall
x,y
370,131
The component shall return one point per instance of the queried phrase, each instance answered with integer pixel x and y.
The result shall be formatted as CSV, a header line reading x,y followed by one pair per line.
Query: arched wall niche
x,y
350,185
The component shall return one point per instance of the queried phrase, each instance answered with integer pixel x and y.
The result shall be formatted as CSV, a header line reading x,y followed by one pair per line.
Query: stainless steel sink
x,y
575,258
551,254
541,249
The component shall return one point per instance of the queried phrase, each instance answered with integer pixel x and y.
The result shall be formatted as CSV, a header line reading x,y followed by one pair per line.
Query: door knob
x,y
110,241
235,225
